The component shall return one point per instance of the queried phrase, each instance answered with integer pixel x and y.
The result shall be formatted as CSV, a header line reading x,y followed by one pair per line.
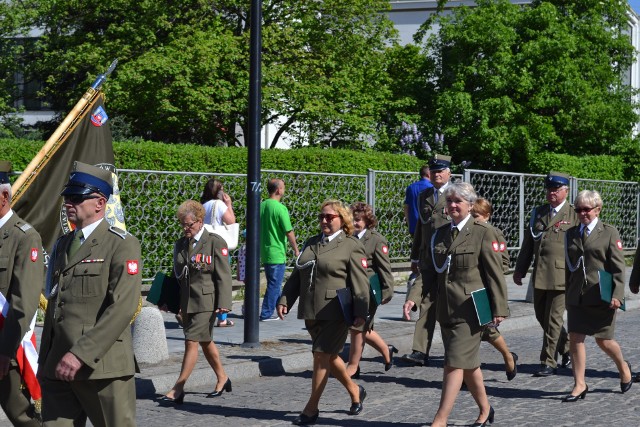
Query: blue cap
x,y
556,179
5,168
439,162
86,179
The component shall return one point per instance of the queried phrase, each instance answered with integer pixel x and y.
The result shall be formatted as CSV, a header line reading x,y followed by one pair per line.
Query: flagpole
x,y
59,136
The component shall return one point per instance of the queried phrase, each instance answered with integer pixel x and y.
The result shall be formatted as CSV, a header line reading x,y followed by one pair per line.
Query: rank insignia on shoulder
x,y
25,227
363,261
225,251
132,266
385,249
495,246
34,254
117,231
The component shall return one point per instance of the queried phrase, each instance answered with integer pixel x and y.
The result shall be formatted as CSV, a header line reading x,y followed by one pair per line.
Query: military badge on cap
x,y
439,162
556,179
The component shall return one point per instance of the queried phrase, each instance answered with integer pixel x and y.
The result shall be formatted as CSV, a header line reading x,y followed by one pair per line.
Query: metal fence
x,y
152,197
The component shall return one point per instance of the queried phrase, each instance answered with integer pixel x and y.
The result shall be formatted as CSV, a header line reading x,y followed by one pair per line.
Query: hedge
x,y
147,155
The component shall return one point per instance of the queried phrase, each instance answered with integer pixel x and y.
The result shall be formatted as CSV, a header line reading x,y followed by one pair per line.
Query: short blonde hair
x,y
345,214
190,207
482,207
589,197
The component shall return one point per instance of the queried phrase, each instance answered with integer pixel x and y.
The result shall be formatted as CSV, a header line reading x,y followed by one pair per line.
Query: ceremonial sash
x,y
27,354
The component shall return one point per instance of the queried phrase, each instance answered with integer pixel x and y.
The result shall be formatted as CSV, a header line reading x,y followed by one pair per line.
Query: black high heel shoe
x,y
172,400
511,375
305,420
489,419
357,374
356,407
389,365
226,387
572,398
624,387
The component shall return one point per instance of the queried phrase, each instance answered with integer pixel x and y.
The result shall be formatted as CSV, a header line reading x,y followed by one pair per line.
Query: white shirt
x,y
557,208
5,218
461,224
214,217
589,226
86,231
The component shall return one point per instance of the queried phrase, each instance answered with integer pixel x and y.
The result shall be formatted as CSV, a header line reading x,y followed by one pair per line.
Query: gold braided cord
x,y
137,310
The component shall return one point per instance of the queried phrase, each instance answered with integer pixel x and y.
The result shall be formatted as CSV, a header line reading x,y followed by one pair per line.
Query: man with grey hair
x,y
544,244
21,280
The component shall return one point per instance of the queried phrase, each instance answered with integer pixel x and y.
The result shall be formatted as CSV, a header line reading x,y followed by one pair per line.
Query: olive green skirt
x,y
461,345
199,326
327,336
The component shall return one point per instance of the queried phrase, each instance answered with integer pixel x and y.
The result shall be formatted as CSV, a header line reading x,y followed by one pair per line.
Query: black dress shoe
x,y
357,374
356,407
417,358
572,398
489,419
172,400
305,420
392,350
226,387
545,371
512,374
566,360
624,387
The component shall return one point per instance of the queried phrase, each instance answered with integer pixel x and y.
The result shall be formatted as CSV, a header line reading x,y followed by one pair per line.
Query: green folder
x,y
375,292
483,307
606,288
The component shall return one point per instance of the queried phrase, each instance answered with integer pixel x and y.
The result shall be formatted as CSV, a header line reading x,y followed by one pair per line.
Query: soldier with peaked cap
x,y
544,244
432,214
21,279
86,357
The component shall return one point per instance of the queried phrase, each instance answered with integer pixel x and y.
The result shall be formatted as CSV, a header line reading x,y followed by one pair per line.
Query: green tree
x,y
514,81
183,73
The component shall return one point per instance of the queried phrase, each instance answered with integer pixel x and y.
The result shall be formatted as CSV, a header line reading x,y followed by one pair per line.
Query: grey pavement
x,y
272,381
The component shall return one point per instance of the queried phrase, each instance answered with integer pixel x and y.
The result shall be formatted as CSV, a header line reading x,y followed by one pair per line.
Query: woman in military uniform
x,y
201,264
376,249
482,211
591,247
465,257
330,261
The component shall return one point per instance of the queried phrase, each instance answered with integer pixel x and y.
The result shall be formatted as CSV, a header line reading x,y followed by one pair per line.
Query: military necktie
x,y
585,234
75,244
454,233
553,212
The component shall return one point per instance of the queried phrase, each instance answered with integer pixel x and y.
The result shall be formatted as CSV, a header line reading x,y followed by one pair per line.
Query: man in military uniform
x,y
432,215
21,279
544,243
86,357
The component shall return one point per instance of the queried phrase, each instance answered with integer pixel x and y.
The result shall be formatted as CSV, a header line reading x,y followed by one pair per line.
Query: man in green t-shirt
x,y
275,230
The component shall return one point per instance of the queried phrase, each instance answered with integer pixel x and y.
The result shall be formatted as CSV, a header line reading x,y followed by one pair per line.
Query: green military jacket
x,y
432,215
376,249
94,296
602,250
322,269
472,262
21,280
207,285
544,244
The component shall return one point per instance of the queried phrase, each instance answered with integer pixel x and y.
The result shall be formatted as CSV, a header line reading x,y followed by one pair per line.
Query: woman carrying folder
x,y
482,211
465,257
376,249
328,262
593,249
201,265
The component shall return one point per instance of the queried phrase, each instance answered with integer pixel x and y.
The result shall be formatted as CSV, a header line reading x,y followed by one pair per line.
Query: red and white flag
x,y
27,354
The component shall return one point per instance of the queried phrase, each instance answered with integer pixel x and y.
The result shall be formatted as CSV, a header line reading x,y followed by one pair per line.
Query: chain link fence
x,y
151,199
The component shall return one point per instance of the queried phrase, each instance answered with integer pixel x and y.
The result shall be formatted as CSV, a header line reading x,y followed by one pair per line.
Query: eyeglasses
x,y
76,199
188,226
327,217
584,210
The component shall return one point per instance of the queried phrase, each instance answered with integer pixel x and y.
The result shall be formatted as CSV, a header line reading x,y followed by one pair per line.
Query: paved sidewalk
x,y
285,345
